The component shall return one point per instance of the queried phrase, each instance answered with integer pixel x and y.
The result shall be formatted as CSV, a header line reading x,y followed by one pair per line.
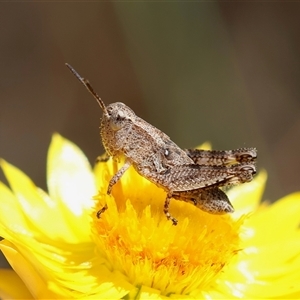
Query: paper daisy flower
x,y
59,249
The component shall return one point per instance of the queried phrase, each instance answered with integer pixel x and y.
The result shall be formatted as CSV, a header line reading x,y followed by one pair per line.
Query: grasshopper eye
x,y
120,116
109,110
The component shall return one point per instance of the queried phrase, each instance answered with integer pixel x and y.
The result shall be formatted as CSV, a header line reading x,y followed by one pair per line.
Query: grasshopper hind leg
x,y
212,200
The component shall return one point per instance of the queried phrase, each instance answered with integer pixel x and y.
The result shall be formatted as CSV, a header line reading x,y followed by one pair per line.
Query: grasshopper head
x,y
118,116
115,126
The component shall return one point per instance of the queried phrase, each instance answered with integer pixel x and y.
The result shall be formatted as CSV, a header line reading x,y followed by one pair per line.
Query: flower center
x,y
137,239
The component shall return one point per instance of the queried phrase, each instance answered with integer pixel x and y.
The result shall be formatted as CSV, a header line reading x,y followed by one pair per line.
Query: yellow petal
x,y
12,287
70,181
269,264
149,293
27,201
31,277
69,175
277,222
245,198
204,146
11,210
35,209
285,213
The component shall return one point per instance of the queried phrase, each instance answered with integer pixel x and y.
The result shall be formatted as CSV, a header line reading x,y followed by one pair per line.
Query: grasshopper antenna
x,y
88,86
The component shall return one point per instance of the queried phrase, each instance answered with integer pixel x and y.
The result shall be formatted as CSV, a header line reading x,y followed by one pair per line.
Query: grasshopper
x,y
189,175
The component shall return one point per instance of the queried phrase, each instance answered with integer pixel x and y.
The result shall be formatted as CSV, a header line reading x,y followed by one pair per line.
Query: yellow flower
x,y
58,248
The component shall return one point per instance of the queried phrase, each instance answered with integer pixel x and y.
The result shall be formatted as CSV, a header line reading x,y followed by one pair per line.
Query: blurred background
x,y
227,73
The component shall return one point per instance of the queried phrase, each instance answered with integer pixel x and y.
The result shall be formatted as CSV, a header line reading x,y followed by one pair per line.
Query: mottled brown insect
x,y
189,175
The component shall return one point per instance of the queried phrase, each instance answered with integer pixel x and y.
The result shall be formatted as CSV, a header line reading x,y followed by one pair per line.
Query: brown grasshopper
x,y
189,175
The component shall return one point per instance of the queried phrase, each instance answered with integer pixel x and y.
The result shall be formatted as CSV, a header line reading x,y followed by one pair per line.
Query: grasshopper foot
x,y
166,210
101,211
